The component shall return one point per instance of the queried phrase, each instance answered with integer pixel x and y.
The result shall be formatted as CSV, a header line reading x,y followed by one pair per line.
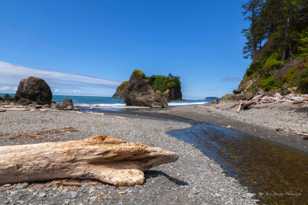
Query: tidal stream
x,y
276,173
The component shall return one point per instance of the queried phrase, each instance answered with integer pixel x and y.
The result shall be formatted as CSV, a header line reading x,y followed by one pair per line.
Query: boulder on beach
x,y
139,92
33,90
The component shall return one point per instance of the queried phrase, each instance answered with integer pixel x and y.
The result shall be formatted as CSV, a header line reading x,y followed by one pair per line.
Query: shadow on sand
x,y
154,173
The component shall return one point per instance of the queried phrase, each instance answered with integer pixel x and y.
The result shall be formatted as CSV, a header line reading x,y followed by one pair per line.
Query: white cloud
x,y
11,74
6,88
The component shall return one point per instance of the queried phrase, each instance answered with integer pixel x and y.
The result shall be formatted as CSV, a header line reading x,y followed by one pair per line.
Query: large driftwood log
x,y
102,158
260,101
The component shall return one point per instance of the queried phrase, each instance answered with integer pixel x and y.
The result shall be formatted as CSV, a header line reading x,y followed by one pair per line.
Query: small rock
x,y
91,190
22,185
249,195
38,106
42,194
67,104
92,199
122,192
20,202
73,194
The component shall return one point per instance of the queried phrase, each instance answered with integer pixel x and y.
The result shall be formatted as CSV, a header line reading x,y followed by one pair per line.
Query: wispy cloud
x,y
61,83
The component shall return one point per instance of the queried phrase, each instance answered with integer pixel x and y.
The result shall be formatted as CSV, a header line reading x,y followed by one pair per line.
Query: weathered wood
x,y
102,158
260,101
245,105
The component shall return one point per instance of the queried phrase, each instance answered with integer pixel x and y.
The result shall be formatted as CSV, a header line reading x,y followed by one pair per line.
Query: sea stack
x,y
139,92
153,91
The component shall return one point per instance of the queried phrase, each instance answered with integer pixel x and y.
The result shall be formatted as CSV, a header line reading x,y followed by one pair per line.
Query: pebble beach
x,y
193,179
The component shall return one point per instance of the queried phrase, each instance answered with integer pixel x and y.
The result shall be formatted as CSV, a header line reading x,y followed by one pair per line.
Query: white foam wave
x,y
186,103
114,105
122,105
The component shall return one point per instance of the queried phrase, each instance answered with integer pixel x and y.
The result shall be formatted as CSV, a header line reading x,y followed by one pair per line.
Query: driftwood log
x,y
261,101
101,158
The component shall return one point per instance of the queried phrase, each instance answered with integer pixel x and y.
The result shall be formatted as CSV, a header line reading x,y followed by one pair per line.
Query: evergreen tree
x,y
252,12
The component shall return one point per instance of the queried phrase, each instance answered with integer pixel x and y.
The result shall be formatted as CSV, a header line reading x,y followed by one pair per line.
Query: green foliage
x,y
291,76
273,62
253,68
283,21
277,42
303,81
138,74
122,86
163,83
303,44
270,83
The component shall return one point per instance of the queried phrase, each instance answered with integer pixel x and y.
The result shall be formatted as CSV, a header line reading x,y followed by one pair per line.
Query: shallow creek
x,y
276,173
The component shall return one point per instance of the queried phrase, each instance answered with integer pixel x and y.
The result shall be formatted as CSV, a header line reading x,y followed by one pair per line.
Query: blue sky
x,y
102,41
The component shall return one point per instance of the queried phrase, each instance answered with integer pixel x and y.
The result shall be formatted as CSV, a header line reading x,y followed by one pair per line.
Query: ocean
x,y
109,102
104,102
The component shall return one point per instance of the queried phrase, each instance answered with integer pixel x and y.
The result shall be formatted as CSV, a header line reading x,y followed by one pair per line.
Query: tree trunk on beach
x,y
102,158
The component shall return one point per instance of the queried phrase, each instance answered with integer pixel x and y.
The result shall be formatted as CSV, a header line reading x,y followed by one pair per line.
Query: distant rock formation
x,y
33,90
154,91
67,104
139,92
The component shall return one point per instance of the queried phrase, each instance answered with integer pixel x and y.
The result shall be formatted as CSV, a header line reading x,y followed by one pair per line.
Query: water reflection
x,y
276,173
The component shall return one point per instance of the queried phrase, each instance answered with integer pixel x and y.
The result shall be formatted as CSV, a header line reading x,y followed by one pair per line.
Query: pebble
x,y
22,185
42,194
73,195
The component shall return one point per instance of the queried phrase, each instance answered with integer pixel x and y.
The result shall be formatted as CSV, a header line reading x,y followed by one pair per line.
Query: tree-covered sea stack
x,y
155,88
277,43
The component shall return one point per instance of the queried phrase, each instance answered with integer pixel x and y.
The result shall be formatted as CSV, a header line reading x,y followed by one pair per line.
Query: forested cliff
x,y
277,43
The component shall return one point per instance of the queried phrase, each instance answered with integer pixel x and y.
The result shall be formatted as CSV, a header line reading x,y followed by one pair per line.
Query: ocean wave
x,y
122,105
115,105
174,104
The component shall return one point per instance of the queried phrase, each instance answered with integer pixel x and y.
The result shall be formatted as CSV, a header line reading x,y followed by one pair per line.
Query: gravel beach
x,y
193,179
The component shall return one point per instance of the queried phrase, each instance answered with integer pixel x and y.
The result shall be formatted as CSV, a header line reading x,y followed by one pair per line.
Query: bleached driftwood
x,y
260,101
102,158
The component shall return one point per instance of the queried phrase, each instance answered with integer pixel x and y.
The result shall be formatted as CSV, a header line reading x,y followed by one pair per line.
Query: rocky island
x,y
154,91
